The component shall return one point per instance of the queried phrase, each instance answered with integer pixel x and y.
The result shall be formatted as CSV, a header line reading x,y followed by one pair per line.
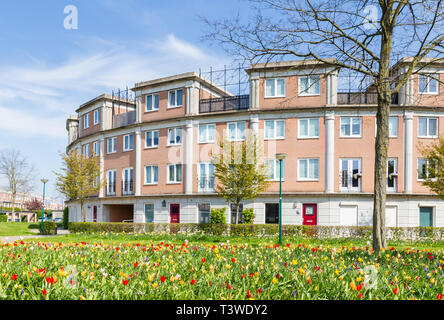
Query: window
x,y
351,126
127,181
174,173
428,83
309,85
96,149
424,171
149,213
205,176
393,127
233,210
308,169
152,102
86,150
204,212
236,131
174,136
112,145
111,182
152,139
207,133
175,98
275,88
308,128
128,142
350,177
427,127
392,175
151,174
96,116
275,129
272,166
86,121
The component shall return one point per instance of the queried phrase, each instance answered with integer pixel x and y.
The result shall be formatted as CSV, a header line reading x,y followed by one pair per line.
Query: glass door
x,y
350,174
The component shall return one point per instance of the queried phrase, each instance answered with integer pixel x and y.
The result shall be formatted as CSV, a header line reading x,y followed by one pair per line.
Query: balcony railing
x,y
124,119
225,104
205,183
360,98
111,189
127,187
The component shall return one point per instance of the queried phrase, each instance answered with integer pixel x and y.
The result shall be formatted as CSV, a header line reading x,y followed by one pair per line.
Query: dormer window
x,y
275,88
428,83
310,85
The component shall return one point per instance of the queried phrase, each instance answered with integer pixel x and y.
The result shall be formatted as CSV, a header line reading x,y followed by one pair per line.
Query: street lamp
x,y
44,181
280,157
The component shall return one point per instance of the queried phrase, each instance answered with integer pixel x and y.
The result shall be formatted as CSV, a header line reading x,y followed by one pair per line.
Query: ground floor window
x,y
233,212
204,212
149,213
272,213
426,216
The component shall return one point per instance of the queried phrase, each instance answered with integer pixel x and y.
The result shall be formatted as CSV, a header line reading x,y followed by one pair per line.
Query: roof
x,y
182,77
423,61
105,97
296,64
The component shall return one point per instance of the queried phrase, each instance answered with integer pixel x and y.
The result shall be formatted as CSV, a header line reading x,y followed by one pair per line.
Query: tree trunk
x,y
237,213
13,207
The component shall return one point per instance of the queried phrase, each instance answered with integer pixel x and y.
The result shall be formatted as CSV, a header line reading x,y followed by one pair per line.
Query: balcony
x,y
205,183
360,98
231,103
127,188
124,119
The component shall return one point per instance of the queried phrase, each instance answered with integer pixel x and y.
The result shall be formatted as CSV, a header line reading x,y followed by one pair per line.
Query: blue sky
x,y
48,71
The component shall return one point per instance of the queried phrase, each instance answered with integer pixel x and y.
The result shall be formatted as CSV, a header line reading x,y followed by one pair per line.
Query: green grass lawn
x,y
17,229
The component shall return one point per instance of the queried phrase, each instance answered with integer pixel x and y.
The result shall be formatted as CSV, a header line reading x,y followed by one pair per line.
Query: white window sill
x,y
429,93
174,107
149,111
174,145
308,138
427,137
307,180
128,150
206,142
308,94
155,147
151,184
236,140
351,137
168,183
280,138
111,152
274,97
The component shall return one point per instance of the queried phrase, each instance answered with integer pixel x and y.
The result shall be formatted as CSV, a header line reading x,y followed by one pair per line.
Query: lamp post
x,y
280,157
44,181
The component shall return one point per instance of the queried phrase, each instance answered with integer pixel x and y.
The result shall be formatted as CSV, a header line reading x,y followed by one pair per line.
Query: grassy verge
x,y
17,229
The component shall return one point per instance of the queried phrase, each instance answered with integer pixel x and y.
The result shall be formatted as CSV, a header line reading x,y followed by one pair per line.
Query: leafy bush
x,y
49,228
217,216
3,218
65,218
248,216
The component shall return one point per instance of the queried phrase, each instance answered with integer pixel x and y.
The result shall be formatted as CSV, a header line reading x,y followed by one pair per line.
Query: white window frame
x,y
207,139
86,121
308,169
86,150
153,107
427,172
429,77
126,142
113,145
175,136
175,181
152,169
175,99
350,188
153,146
96,148
96,117
275,169
351,127
275,136
309,136
144,211
310,83
275,95
199,175
395,175
128,191
108,181
236,130
427,127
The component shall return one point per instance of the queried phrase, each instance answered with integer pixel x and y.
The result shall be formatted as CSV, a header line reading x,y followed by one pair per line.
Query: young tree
x,y
239,175
34,204
432,170
366,37
18,173
79,178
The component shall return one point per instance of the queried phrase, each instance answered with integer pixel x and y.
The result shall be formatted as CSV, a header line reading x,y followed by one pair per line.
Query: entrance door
x,y
272,213
426,217
95,214
309,214
175,213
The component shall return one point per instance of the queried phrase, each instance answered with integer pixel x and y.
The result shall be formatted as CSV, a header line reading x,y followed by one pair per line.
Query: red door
x,y
309,214
175,213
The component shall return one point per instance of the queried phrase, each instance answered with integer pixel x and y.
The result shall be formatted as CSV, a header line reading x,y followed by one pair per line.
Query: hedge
x,y
3,218
65,218
259,230
49,228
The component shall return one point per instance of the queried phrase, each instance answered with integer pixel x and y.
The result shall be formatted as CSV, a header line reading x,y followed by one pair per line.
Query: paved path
x,y
15,238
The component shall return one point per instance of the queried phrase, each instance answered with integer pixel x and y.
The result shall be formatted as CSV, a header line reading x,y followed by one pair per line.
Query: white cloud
x,y
177,46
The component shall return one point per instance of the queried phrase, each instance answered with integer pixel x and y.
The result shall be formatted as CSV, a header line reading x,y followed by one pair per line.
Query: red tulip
x,y
360,295
14,277
193,282
359,287
44,292
249,295
203,260
395,290
136,264
233,260
229,287
125,282
162,279
439,296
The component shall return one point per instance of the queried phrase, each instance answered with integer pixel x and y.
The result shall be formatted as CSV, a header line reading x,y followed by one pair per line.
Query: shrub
x,y
217,216
3,218
65,218
248,216
49,228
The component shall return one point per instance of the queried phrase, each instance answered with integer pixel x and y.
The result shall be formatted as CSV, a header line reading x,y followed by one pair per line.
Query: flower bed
x,y
32,270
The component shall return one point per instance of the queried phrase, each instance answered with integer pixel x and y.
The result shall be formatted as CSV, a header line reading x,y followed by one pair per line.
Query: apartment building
x,y
23,198
155,150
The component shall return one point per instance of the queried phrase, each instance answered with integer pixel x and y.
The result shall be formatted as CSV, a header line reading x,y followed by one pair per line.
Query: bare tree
x,y
18,173
366,37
